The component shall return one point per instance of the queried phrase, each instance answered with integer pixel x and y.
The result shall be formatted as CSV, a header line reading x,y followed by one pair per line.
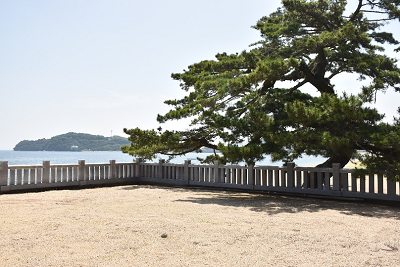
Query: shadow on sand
x,y
276,204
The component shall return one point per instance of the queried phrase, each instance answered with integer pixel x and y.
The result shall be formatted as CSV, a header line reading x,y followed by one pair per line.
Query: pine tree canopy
x,y
252,104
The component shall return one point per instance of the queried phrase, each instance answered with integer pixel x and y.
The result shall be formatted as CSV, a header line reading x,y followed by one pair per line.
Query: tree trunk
x,y
343,159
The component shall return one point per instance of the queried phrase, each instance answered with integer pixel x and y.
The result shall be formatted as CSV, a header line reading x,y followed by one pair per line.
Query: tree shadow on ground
x,y
276,204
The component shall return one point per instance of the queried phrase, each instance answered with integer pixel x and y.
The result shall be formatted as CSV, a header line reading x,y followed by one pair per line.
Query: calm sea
x,y
58,157
61,157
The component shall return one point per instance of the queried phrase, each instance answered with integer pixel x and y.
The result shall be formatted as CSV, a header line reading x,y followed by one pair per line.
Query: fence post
x,y
250,175
46,171
391,187
81,170
160,173
336,176
112,169
186,171
216,171
138,174
290,174
4,174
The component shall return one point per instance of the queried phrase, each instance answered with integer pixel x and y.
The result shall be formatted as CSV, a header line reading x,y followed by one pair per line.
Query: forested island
x,y
74,142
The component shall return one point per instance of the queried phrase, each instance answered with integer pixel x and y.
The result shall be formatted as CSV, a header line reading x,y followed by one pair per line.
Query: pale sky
x,y
96,66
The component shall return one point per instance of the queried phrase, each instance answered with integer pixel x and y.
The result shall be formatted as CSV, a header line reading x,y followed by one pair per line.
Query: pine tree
x,y
252,104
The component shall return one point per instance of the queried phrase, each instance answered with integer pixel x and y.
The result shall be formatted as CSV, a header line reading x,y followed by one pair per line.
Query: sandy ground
x,y
122,226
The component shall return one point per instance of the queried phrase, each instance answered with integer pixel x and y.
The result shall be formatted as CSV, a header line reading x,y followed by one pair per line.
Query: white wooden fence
x,y
29,177
335,182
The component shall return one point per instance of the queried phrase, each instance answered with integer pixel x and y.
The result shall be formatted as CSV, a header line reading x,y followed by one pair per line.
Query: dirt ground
x,y
122,226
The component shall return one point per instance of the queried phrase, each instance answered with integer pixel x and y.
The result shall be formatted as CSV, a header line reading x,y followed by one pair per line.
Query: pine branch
x,y
357,11
373,11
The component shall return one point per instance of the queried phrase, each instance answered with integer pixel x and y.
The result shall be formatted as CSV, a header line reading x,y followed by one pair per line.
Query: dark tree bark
x,y
342,159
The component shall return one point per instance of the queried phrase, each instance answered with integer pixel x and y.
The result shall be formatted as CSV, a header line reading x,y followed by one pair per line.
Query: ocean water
x,y
61,157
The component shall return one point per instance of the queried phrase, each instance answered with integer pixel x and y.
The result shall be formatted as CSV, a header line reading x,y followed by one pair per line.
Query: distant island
x,y
74,142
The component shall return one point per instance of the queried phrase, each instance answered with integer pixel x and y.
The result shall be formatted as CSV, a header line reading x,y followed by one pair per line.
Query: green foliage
x,y
251,104
64,142
149,143
384,156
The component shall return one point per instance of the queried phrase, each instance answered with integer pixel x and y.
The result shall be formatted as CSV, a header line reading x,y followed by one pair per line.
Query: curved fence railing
x,y
335,182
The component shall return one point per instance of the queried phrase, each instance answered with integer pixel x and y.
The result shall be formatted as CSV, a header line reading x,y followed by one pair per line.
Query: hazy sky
x,y
96,66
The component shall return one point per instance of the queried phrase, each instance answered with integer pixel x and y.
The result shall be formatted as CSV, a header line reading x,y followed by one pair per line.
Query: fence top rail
x,y
36,166
174,164
164,164
313,169
200,166
95,164
346,170
232,167
267,167
151,163
63,165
